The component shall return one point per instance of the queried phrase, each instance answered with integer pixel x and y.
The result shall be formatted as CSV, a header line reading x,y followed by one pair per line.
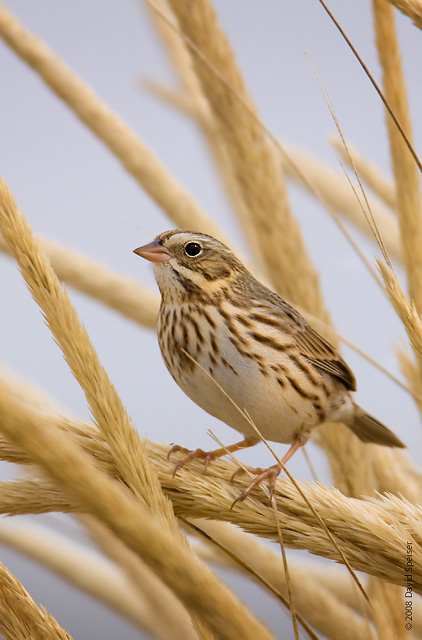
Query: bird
x,y
247,356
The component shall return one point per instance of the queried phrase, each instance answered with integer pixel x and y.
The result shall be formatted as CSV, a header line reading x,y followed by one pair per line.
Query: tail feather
x,y
369,429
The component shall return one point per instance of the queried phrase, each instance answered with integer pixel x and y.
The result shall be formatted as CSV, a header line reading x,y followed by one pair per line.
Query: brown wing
x,y
316,349
323,356
313,346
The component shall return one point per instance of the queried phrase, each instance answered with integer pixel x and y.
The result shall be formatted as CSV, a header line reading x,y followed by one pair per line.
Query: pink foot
x,y
269,474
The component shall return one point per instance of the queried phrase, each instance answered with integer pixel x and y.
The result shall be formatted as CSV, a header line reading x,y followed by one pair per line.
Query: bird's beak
x,y
154,252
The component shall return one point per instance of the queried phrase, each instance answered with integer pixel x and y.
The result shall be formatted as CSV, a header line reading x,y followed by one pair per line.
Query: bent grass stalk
x,y
246,416
72,337
96,493
136,158
106,406
371,531
90,573
244,553
369,173
21,617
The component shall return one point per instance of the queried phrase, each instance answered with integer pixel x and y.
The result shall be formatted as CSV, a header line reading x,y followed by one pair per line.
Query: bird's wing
x,y
312,345
323,356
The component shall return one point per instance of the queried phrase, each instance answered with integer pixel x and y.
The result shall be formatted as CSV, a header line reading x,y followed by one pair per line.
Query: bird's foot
x,y
208,456
200,454
269,474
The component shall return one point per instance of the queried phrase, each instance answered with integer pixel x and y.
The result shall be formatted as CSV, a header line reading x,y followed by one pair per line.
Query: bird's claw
x,y
238,472
175,449
240,498
269,474
207,456
210,457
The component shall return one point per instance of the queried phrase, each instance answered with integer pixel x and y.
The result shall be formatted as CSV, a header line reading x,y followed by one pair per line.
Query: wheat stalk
x,y
320,606
405,309
137,159
21,617
411,8
370,175
254,159
73,339
163,614
411,372
192,101
93,575
337,193
372,533
98,494
406,173
115,290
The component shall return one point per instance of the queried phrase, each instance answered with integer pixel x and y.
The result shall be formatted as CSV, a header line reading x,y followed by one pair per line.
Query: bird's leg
x,y
269,474
208,456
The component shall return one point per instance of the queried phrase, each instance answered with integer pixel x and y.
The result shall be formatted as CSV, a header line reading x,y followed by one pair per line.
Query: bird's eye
x,y
193,249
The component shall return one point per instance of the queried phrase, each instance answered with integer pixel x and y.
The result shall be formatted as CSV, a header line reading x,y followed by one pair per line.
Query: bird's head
x,y
190,263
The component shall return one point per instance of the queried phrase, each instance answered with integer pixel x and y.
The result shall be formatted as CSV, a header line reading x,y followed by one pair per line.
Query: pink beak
x,y
154,252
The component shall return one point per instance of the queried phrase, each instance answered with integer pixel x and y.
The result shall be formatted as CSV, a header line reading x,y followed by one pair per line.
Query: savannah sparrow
x,y
217,324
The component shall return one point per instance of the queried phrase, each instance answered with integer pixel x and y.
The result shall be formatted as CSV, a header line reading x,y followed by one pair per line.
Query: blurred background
x,y
72,189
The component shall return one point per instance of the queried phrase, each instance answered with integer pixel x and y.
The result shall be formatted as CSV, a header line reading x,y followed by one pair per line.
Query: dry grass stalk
x,y
254,159
387,600
411,372
396,474
338,583
406,173
337,193
351,462
88,572
21,617
372,533
164,615
107,409
407,312
73,339
96,493
410,8
192,101
86,434
379,470
137,159
316,604
320,180
27,392
290,600
369,174
97,280
336,580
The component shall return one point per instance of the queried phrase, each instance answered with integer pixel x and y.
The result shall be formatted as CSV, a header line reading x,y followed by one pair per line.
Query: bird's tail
x,y
369,429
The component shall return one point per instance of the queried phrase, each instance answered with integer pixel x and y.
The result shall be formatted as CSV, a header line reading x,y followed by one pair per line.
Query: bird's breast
x,y
235,367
